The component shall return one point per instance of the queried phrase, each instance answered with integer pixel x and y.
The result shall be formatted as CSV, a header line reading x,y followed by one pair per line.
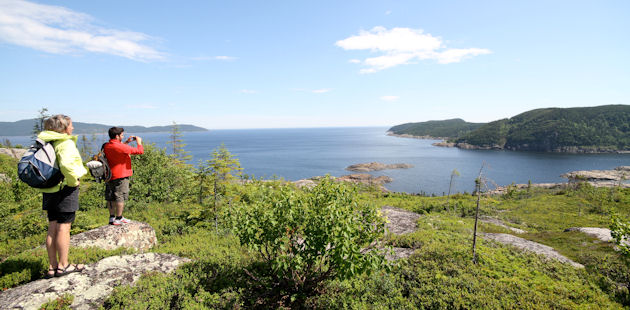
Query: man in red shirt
x,y
119,160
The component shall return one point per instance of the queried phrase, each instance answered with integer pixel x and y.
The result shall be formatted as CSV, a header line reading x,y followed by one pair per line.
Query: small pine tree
x,y
177,144
454,174
218,171
39,123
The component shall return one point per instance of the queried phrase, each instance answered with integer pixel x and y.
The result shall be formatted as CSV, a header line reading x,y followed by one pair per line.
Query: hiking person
x,y
62,200
118,157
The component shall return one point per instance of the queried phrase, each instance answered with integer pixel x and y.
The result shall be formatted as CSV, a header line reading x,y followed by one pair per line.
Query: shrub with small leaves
x,y
305,238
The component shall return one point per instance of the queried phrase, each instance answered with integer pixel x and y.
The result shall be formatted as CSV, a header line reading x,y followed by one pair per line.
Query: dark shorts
x,y
65,200
117,190
61,217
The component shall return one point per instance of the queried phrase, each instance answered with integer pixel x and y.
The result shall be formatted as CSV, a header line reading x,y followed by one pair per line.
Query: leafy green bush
x,y
307,237
157,177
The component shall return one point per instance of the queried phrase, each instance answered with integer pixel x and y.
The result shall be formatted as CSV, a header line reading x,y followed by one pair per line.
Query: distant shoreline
x,y
391,133
466,146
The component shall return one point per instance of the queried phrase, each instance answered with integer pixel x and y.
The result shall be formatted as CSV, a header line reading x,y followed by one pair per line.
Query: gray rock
x,y
497,222
91,287
602,234
13,152
374,166
400,221
4,178
305,183
136,235
531,246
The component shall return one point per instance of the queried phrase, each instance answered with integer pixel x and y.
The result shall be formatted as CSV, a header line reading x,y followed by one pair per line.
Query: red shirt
x,y
118,158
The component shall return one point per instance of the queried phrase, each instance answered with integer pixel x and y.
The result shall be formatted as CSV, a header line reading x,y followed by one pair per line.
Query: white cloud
x,y
225,58
248,91
58,30
388,12
389,98
400,46
354,61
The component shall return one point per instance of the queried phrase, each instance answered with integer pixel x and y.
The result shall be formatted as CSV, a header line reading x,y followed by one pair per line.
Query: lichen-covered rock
x,y
531,246
13,152
305,183
92,286
602,234
400,221
136,235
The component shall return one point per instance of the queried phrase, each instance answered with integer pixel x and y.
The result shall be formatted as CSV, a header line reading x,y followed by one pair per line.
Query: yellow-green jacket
x,y
68,159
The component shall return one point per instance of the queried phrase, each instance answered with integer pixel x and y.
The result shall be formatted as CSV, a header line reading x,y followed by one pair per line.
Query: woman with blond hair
x,y
62,200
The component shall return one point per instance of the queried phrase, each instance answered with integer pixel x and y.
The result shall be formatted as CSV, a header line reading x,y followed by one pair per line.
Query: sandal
x,y
68,269
51,273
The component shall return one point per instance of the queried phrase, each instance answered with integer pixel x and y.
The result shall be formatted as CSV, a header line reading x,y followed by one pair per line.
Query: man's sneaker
x,y
111,220
125,220
117,222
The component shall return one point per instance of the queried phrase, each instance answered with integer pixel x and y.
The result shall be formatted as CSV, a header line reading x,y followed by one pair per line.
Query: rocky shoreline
x,y
524,147
564,149
375,166
596,178
391,133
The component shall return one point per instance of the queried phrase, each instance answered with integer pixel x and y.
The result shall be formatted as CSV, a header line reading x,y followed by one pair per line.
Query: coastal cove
x,y
295,154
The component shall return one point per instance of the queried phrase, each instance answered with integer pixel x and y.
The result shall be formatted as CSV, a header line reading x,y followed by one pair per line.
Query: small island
x,y
375,166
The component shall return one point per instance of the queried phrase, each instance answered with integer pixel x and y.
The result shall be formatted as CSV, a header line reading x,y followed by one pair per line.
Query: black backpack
x,y
99,167
38,167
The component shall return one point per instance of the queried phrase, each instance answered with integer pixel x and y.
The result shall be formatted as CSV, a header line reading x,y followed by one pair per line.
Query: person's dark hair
x,y
114,131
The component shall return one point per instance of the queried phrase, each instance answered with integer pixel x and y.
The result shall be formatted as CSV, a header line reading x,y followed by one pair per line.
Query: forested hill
x,y
25,128
451,128
592,129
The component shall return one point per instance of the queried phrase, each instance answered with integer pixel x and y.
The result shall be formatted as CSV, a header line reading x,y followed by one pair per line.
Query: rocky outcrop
x,y
531,246
404,135
602,234
92,286
497,222
136,235
618,174
400,222
305,183
13,152
444,144
374,166
365,179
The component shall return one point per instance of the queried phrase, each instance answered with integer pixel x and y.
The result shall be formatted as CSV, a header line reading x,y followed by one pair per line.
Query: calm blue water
x,y
295,154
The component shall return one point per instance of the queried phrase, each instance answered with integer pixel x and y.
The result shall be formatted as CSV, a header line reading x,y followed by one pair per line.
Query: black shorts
x,y
65,200
61,217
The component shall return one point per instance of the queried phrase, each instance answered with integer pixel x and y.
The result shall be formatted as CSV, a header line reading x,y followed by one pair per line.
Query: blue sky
x,y
276,64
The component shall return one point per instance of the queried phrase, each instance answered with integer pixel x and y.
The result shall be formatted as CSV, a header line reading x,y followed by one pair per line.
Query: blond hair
x,y
58,123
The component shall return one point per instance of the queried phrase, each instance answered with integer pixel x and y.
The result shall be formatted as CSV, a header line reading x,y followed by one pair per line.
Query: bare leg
x,y
111,207
120,206
51,246
63,243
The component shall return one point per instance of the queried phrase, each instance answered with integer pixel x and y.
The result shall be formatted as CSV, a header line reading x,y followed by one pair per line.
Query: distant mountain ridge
x,y
25,128
598,129
446,129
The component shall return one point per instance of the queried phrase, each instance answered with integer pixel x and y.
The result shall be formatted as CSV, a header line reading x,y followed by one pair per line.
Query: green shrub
x,y
305,238
159,178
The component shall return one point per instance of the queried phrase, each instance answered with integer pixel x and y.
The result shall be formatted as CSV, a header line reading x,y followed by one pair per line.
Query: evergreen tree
x,y
177,144
39,123
218,171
